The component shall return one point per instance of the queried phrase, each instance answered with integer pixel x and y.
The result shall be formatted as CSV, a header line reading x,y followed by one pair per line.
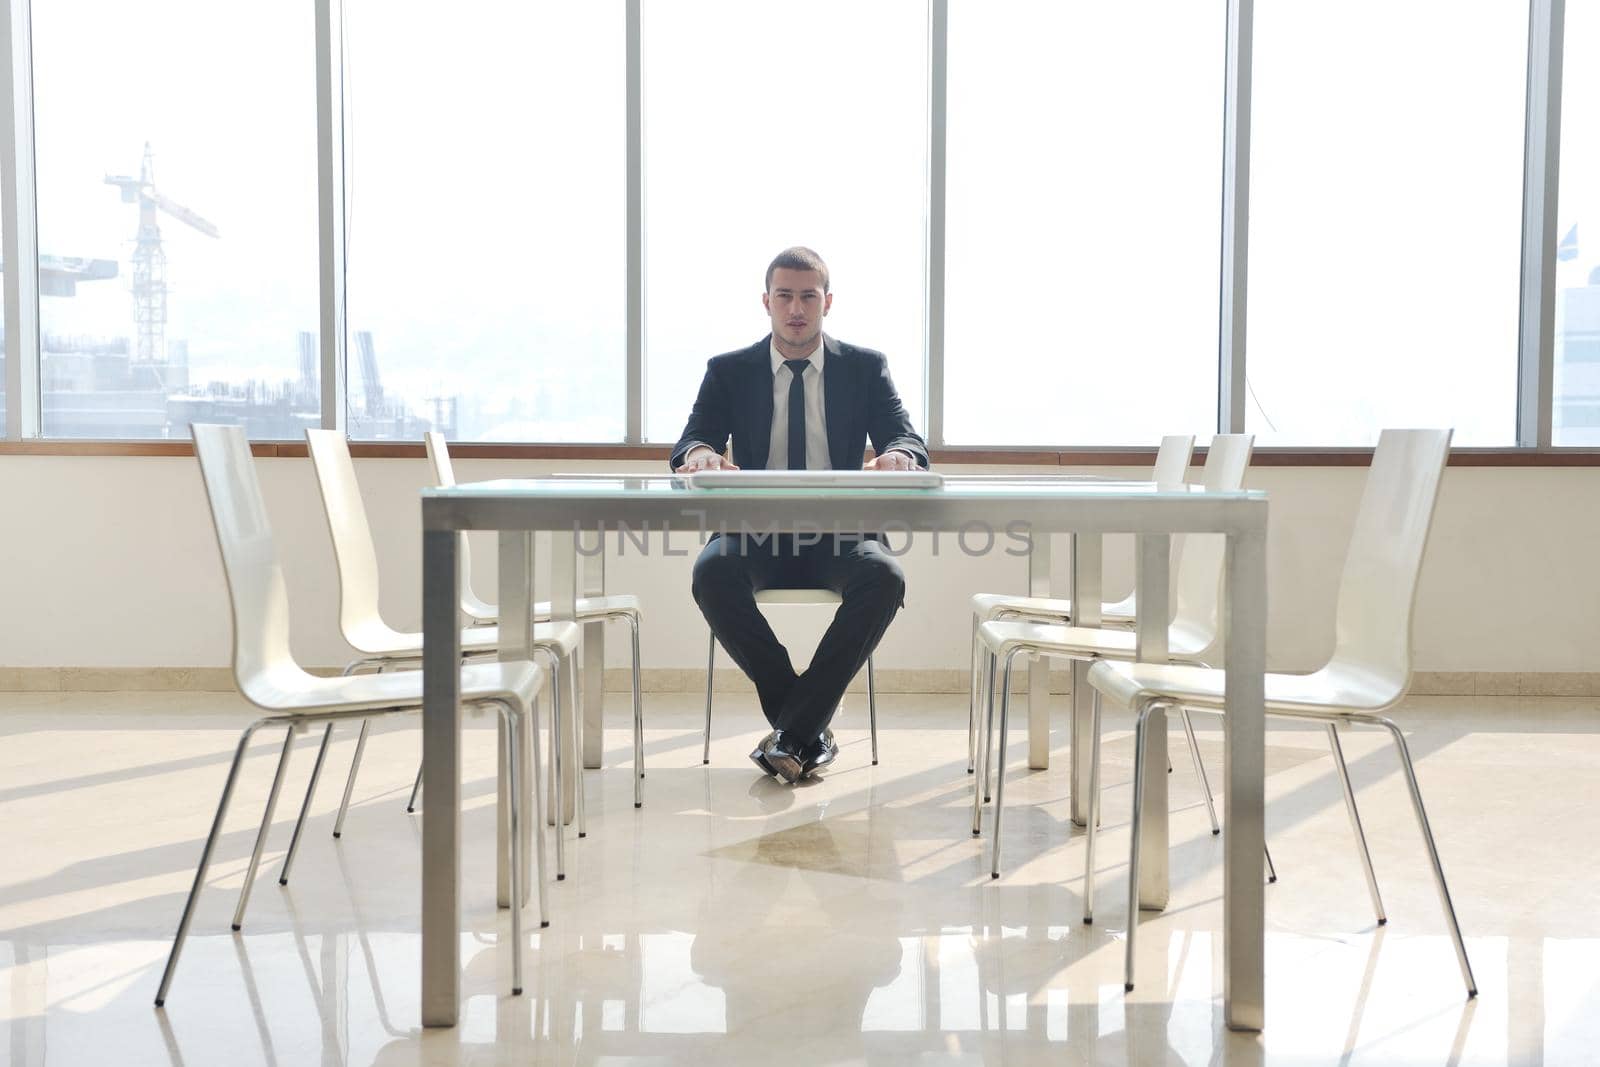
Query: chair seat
x,y
798,596
988,605
1333,689
294,692
378,639
1052,639
588,607
595,606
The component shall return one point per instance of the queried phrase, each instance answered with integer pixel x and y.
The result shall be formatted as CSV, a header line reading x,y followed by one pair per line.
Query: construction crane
x,y
372,387
149,261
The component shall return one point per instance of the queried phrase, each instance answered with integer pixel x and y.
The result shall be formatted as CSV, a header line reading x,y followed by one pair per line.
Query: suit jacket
x,y
858,400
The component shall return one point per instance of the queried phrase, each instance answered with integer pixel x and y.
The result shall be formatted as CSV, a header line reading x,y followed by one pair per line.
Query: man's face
x,y
797,304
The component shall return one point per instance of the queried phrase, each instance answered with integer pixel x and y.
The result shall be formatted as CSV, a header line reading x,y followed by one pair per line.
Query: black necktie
x,y
797,413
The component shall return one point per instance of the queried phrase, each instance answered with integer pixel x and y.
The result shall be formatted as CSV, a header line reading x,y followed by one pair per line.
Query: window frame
x,y
1535,355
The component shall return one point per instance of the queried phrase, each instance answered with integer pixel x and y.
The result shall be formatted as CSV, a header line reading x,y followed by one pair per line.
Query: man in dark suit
x,y
800,400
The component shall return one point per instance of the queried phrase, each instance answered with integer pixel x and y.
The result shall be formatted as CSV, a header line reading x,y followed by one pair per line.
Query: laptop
x,y
786,479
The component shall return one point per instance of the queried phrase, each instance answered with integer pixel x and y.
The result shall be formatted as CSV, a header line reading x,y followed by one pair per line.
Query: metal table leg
x,y
1244,726
564,608
1151,582
593,583
441,772
1086,599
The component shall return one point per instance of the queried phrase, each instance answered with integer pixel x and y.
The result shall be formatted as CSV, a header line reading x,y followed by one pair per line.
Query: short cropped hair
x,y
798,258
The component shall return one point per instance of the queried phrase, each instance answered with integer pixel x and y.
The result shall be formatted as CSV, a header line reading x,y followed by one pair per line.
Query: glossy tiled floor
x,y
737,921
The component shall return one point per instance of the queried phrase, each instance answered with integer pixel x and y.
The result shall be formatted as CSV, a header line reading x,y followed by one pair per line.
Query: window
x,y
485,156
177,187
485,159
1083,220
768,126
3,379
1385,220
1576,419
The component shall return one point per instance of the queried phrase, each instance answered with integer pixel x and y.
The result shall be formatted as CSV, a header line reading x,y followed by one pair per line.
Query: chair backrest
x,y
262,662
1172,459
353,551
444,475
1199,578
1378,589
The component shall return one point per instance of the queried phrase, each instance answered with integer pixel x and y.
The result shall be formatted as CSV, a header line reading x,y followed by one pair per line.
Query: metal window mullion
x,y
1231,383
634,76
20,221
331,209
938,84
1540,193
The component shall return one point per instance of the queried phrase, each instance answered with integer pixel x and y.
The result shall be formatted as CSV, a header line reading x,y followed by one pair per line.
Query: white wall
x,y
110,562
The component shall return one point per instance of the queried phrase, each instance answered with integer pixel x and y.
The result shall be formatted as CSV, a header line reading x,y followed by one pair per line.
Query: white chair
x,y
1191,637
785,597
269,678
1172,463
384,647
1369,672
616,608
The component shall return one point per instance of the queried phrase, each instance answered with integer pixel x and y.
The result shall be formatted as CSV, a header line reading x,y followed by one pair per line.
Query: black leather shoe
x,y
759,755
785,762
821,752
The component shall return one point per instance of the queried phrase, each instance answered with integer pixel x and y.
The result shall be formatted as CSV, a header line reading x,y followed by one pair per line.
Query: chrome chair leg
x,y
1199,770
512,768
305,805
972,697
577,752
537,789
983,684
349,669
1094,809
980,783
638,720
564,672
355,766
416,791
1433,852
266,826
1000,769
350,780
1141,725
1355,824
205,861
555,774
872,708
986,743
711,666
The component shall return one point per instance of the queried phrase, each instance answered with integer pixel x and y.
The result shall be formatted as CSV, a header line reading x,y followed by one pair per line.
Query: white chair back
x,y
1199,582
353,552
262,663
444,475
1378,590
1172,459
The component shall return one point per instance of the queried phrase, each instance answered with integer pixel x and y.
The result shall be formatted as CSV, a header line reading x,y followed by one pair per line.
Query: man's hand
x,y
893,460
703,459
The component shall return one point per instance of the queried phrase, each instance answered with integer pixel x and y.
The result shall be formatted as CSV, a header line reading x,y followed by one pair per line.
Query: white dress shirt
x,y
816,416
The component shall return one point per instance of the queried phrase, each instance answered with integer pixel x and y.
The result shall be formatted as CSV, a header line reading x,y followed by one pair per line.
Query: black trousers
x,y
733,568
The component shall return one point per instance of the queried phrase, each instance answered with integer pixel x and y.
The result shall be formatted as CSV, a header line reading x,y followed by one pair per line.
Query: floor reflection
x,y
849,922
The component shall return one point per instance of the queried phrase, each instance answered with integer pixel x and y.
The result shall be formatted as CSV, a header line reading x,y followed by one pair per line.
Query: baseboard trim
x,y
731,681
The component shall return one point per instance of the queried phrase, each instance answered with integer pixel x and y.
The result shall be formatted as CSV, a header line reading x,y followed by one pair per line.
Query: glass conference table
x,y
1004,514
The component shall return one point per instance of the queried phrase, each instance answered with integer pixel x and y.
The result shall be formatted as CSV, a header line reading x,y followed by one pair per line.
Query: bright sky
x,y
486,163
